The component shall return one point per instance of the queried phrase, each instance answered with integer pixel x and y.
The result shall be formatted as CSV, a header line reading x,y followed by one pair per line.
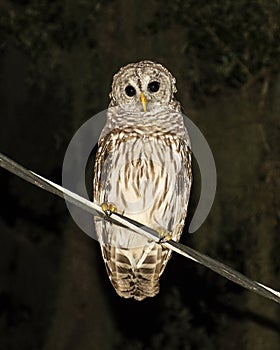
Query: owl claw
x,y
108,208
165,236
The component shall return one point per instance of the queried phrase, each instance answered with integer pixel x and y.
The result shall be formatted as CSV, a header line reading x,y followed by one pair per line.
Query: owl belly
x,y
141,178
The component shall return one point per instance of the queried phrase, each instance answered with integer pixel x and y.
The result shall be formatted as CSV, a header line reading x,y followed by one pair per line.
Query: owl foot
x,y
108,208
165,236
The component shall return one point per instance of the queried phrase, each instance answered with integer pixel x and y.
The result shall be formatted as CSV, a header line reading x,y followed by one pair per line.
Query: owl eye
x,y
153,86
130,90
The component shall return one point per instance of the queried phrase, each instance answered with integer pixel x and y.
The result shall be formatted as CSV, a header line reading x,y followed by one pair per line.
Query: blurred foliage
x,y
47,31
176,329
227,43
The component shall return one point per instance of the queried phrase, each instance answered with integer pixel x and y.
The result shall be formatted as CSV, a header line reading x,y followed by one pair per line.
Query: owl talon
x,y
108,208
165,236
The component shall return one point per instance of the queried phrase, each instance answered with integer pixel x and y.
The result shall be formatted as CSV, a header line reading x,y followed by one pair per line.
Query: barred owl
x,y
143,170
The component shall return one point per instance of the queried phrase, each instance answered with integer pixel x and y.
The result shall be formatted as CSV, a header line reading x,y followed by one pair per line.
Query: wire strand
x,y
137,227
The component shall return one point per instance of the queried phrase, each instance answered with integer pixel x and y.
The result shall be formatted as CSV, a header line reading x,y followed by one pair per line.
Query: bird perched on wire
x,y
142,170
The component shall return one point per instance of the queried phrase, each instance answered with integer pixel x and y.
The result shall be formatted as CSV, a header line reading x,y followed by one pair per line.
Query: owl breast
x,y
146,179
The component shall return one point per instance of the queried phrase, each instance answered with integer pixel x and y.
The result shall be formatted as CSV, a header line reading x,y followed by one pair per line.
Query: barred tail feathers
x,y
135,273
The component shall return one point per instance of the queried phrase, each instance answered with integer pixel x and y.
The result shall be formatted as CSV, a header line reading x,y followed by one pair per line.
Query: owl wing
x,y
147,179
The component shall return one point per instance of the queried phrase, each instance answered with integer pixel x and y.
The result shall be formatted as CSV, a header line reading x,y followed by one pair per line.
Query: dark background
x,y
57,62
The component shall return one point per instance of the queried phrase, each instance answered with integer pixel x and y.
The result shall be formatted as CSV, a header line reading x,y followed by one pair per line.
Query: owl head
x,y
144,86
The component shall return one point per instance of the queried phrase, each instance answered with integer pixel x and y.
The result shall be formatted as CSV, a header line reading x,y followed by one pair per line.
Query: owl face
x,y
144,85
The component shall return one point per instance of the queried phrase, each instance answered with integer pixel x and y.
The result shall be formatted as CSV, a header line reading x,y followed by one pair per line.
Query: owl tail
x,y
135,273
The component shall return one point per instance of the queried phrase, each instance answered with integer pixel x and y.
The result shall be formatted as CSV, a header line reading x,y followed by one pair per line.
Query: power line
x,y
118,219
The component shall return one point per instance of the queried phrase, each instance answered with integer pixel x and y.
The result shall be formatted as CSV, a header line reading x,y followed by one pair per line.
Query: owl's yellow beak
x,y
144,101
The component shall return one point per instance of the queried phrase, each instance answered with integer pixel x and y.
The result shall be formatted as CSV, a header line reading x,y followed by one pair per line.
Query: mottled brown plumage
x,y
143,167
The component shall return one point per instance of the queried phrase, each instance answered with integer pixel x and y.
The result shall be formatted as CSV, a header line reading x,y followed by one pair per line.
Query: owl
x,y
143,171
